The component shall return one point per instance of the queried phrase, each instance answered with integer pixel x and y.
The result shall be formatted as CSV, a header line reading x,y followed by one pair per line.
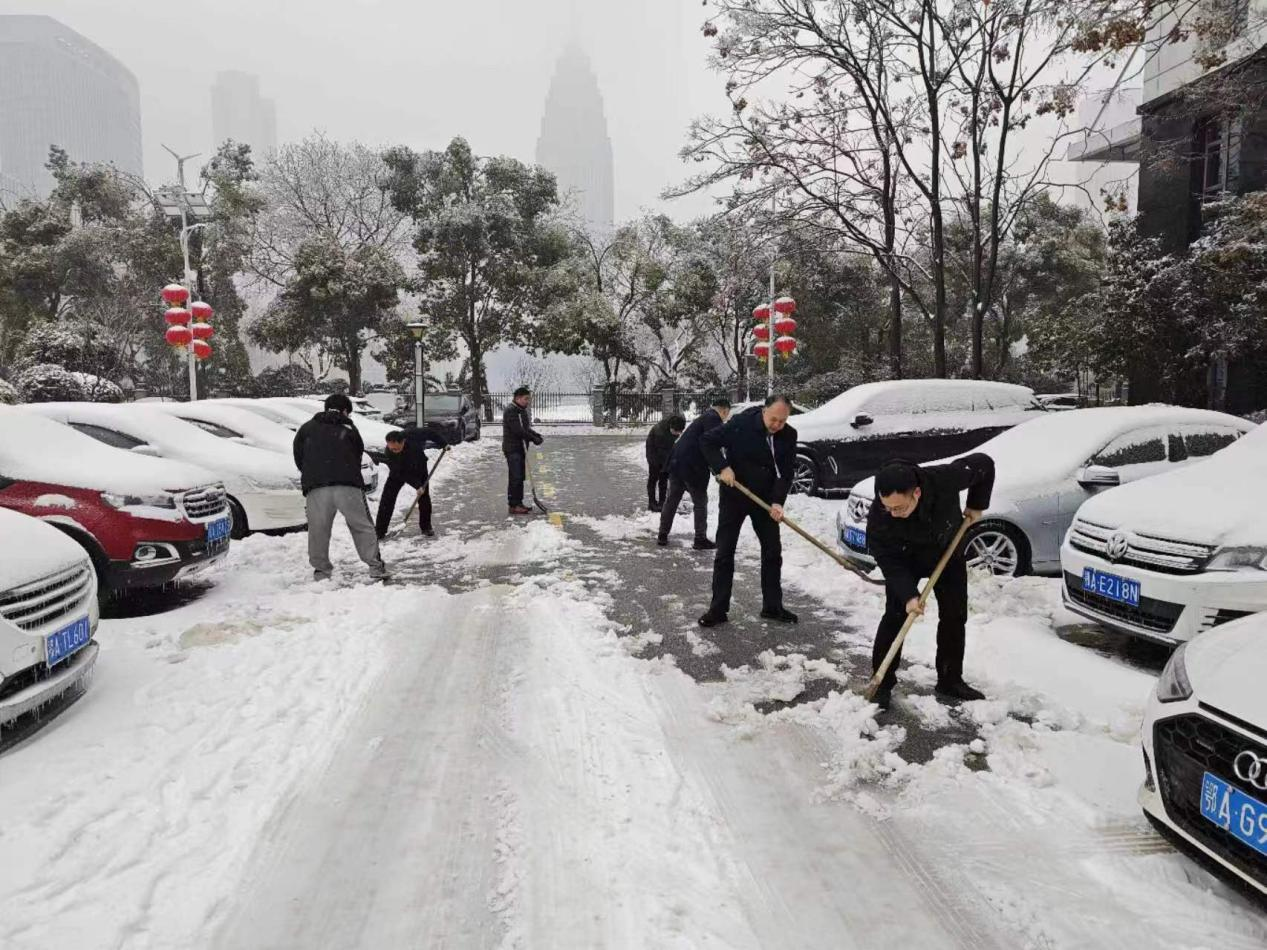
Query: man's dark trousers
x,y
734,508
387,506
657,485
516,468
952,615
699,504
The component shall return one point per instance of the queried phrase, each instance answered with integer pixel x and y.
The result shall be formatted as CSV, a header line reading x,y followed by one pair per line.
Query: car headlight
x,y
114,500
1173,684
1239,559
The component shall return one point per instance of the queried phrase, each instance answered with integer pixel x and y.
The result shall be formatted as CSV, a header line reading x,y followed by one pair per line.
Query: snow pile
x,y
536,542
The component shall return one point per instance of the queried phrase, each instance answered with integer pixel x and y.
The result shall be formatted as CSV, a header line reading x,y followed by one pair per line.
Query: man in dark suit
x,y
517,432
688,472
660,441
756,448
407,465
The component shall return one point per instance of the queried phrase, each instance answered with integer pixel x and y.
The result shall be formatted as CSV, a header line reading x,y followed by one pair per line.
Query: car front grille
x,y
47,600
1159,616
1186,747
205,502
1141,550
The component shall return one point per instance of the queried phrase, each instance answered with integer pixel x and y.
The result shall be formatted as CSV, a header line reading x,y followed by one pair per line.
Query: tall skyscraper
x,y
574,143
239,112
59,88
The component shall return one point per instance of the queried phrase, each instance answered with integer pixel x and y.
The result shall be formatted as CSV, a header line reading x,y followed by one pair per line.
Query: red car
x,y
144,521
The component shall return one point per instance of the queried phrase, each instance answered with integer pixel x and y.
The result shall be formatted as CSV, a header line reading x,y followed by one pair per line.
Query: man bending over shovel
x,y
914,520
407,465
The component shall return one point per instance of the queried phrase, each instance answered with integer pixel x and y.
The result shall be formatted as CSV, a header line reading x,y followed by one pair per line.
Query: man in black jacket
x,y
328,452
517,432
407,465
913,519
757,448
688,472
660,442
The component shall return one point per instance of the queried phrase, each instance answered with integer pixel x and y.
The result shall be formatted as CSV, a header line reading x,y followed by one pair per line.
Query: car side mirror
x,y
147,450
1099,476
860,420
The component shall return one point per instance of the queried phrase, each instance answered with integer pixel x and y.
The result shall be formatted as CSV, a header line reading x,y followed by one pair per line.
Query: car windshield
x,y
443,405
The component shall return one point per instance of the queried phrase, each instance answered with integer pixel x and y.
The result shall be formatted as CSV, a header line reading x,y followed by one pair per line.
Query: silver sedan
x,y
1045,469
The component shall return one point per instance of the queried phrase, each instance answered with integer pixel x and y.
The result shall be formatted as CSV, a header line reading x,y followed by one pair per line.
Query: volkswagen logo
x,y
1117,546
1252,768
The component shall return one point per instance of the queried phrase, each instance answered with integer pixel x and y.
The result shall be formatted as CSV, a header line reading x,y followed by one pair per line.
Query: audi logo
x,y
1117,546
1250,767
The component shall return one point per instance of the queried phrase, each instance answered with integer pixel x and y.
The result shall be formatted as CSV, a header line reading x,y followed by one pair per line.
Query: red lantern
x,y
785,305
785,345
784,326
175,294
178,336
176,316
202,311
761,351
202,349
761,331
761,313
202,331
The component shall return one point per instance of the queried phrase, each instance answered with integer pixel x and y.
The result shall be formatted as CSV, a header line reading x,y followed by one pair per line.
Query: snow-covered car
x,y
1059,401
373,432
48,615
263,487
1046,469
239,424
852,436
1170,557
1205,751
144,522
360,405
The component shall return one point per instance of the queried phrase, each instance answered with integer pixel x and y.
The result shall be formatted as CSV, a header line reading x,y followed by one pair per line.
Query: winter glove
x,y
537,439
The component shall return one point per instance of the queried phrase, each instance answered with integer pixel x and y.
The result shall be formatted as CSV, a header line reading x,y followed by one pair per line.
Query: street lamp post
x,y
417,328
178,202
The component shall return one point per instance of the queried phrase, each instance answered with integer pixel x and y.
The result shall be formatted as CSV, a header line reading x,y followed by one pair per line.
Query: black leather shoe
x,y
711,619
782,615
704,544
662,540
884,699
959,690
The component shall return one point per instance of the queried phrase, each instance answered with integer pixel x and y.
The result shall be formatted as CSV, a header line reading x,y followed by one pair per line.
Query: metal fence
x,y
601,407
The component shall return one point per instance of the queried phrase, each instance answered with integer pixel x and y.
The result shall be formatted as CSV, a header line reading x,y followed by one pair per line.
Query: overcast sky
x,y
416,72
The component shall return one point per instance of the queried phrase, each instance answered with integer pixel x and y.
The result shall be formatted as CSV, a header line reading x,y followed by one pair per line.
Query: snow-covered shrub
x,y
8,394
48,382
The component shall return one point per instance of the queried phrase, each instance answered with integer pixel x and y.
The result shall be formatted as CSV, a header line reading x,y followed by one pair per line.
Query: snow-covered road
x,y
526,742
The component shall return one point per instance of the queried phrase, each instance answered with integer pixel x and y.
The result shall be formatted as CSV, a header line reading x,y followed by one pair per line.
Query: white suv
x,y
1168,557
48,615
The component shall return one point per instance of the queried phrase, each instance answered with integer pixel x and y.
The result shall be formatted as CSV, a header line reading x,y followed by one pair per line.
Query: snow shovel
x,y
422,490
532,487
834,555
874,685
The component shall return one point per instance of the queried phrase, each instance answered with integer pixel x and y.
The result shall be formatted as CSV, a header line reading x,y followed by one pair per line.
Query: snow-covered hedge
x,y
8,394
48,382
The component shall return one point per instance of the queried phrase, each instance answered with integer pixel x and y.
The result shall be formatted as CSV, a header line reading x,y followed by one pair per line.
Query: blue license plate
x,y
856,539
218,530
1242,817
1115,588
58,646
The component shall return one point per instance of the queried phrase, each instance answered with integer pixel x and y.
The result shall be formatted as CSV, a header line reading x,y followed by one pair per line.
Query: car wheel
x,y
239,529
805,476
998,548
476,436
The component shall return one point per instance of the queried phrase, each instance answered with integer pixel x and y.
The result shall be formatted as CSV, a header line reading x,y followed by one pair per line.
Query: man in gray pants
x,y
328,452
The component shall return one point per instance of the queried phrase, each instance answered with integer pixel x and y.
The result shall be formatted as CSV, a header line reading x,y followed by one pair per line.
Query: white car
x,y
1045,470
263,487
1170,557
373,432
239,424
48,615
360,405
1205,750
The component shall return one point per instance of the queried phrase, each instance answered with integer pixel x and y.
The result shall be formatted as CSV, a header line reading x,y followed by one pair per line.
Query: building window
x,y
1217,156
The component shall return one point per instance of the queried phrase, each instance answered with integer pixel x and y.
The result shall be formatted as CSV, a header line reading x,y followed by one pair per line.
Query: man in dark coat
x,y
407,465
517,432
660,441
328,452
757,448
688,472
913,519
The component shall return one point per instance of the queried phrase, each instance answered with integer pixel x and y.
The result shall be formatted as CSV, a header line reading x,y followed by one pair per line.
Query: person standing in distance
x,y
914,518
407,465
660,441
688,472
328,452
758,449
517,432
